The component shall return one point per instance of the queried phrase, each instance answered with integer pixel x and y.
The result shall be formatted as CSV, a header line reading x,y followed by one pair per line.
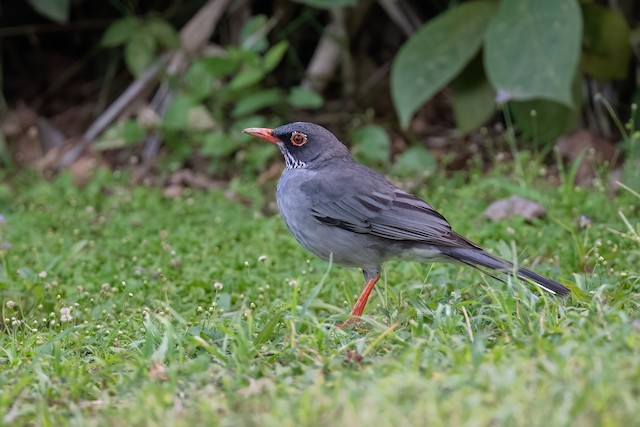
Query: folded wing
x,y
393,214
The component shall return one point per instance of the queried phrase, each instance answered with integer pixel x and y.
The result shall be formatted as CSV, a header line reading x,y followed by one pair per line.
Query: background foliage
x,y
532,65
129,296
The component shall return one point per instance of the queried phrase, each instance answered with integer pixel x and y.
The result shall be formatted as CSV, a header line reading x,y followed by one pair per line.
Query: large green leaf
x,y
473,97
56,10
532,49
606,50
543,120
436,54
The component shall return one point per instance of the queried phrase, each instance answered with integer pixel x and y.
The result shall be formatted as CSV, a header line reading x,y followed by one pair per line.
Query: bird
x,y
349,214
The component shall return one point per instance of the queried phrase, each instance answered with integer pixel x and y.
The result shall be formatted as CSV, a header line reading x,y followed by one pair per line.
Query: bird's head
x,y
301,143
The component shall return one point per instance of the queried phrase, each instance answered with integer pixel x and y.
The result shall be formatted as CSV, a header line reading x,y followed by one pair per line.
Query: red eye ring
x,y
298,138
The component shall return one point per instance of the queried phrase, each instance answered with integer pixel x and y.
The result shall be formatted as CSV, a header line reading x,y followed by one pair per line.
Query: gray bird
x,y
341,210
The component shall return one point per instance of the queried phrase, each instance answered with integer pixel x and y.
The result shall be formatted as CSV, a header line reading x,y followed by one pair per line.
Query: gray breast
x,y
325,241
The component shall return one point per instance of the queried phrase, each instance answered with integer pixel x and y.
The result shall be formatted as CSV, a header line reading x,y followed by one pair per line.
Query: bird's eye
x,y
298,138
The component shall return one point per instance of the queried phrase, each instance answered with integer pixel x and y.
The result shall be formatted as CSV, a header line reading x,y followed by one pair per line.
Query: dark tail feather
x,y
477,257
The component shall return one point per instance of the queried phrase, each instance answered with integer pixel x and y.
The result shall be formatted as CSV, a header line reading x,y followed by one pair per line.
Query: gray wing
x,y
389,213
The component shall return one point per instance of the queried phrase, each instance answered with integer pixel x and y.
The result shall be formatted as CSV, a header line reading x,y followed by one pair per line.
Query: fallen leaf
x,y
173,191
596,149
158,371
83,169
512,206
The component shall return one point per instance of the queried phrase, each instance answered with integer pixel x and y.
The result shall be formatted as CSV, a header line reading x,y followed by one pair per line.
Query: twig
x,y
348,72
333,48
405,19
193,37
325,59
128,96
375,78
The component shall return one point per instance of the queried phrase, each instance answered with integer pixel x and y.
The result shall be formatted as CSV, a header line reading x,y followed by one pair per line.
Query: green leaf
x,y
219,66
413,161
200,118
273,57
244,57
257,101
199,80
139,53
328,4
56,10
246,78
436,54
257,156
247,122
371,145
132,131
532,49
605,47
473,97
267,331
253,35
542,120
121,135
164,34
120,31
305,98
177,115
219,144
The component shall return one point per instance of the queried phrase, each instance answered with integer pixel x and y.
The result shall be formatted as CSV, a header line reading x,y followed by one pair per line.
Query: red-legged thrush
x,y
341,210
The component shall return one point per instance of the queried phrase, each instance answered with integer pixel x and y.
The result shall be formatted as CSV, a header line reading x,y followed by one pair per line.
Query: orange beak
x,y
262,133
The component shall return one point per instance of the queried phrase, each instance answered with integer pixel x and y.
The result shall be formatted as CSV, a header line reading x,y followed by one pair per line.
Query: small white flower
x,y
262,258
11,304
42,274
218,286
293,283
65,314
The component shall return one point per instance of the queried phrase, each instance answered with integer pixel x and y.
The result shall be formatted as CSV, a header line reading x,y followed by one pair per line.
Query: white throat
x,y
290,161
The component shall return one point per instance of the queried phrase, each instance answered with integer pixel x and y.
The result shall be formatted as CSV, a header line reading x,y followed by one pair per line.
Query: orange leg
x,y
358,308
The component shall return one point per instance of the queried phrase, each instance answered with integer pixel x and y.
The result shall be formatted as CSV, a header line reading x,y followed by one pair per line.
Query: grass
x,y
122,307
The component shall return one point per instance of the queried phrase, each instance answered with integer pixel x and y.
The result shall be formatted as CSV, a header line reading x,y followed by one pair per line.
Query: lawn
x,y
123,307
